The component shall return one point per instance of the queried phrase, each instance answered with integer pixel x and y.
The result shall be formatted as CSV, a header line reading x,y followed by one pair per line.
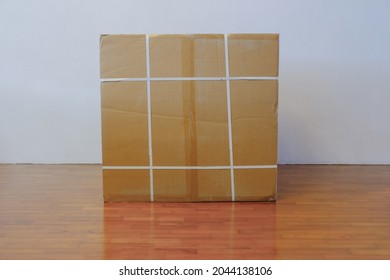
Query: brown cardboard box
x,y
189,117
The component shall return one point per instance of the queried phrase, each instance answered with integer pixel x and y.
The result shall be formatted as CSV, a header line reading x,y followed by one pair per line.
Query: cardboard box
x,y
189,117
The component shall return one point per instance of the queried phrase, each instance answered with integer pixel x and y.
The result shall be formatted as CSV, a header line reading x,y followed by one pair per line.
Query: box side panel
x,y
189,123
126,185
255,184
253,55
254,122
192,185
124,124
187,56
123,56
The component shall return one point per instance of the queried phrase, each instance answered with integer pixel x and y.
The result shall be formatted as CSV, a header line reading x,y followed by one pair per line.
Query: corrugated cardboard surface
x,y
254,55
122,56
192,185
190,124
167,138
124,123
254,122
199,55
126,185
255,184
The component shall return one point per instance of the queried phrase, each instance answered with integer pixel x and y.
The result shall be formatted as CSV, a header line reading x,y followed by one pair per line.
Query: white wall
x,y
334,72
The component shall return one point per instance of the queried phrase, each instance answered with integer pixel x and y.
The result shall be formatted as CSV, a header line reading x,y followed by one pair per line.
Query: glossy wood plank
x,y
322,212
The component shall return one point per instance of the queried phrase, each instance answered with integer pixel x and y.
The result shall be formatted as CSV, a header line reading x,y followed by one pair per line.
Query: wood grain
x,y
322,212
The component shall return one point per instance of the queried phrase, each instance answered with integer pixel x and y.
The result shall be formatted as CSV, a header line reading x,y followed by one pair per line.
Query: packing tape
x,y
149,118
229,117
112,167
185,79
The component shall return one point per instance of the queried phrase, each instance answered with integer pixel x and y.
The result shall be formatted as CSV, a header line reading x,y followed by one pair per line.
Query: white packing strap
x,y
149,119
229,118
130,167
186,79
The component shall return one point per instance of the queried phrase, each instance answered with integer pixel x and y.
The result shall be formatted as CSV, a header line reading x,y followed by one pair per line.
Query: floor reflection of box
x,y
189,117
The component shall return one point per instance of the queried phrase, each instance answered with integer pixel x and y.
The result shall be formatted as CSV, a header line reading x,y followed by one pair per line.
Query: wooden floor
x,y
322,212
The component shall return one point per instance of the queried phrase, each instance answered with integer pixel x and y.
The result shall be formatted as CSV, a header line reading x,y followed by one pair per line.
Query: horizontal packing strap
x,y
191,167
185,79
